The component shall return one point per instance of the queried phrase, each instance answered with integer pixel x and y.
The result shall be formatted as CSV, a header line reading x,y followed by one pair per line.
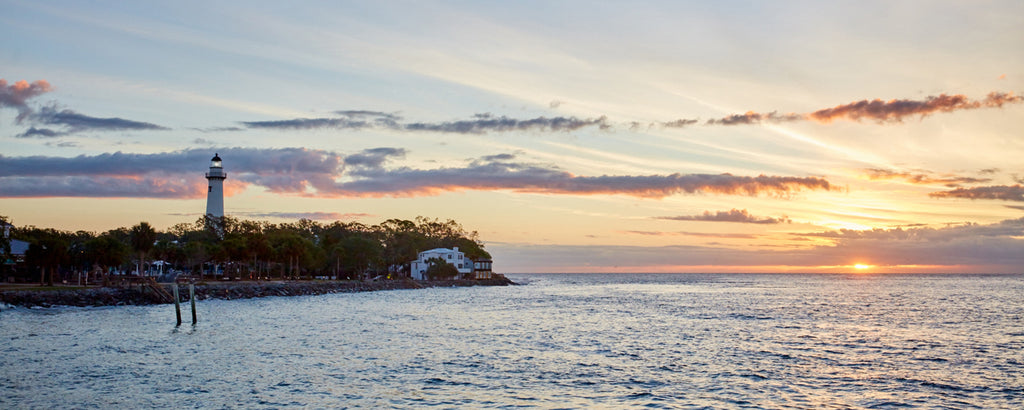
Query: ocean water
x,y
559,341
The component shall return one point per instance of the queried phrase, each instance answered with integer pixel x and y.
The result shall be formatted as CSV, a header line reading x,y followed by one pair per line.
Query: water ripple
x,y
563,341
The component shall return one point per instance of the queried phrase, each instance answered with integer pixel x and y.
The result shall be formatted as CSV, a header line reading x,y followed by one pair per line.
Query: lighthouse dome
x,y
216,162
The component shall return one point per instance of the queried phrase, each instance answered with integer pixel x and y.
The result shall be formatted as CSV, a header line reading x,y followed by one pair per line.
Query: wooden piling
x,y
192,298
177,305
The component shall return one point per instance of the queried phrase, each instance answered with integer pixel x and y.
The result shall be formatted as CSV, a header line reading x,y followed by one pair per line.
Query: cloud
x,y
924,178
310,123
154,185
483,123
992,248
734,215
62,144
177,174
317,216
754,118
218,129
16,95
697,234
531,178
892,111
297,171
374,157
966,244
896,110
1000,192
368,114
480,124
76,122
34,132
352,120
680,123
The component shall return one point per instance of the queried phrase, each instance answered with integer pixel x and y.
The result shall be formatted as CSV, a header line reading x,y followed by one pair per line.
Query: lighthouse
x,y
215,194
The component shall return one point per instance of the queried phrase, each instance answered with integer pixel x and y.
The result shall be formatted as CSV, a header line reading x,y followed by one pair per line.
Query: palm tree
x,y
143,238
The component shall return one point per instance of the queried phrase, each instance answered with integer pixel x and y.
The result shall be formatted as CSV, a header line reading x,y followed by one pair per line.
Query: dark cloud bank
x,y
364,174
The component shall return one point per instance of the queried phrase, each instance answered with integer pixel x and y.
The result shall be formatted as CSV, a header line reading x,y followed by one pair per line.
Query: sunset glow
x,y
642,137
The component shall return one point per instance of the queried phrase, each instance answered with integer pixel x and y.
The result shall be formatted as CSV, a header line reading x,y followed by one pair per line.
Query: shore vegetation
x,y
229,248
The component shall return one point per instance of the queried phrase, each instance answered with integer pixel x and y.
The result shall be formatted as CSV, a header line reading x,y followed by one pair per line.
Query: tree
x,y
48,254
195,255
290,248
164,249
5,240
142,239
360,254
106,251
441,270
402,241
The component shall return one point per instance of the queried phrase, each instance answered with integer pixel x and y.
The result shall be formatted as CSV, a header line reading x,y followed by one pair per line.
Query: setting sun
x,y
861,266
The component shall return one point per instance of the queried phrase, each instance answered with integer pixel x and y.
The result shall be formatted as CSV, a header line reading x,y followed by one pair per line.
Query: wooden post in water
x,y
177,305
192,298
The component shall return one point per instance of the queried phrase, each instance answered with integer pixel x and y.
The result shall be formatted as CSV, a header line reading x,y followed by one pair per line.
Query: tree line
x,y
240,248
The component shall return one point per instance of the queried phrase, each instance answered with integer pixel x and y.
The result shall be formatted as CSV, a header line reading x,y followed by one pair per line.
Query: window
x,y
460,257
449,256
211,188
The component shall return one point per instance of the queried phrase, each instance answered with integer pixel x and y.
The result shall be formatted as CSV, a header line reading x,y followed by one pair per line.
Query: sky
x,y
574,136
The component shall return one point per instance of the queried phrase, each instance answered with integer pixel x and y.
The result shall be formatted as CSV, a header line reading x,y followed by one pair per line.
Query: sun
x,y
861,266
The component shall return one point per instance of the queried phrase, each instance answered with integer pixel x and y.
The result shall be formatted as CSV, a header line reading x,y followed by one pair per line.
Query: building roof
x,y
440,250
18,247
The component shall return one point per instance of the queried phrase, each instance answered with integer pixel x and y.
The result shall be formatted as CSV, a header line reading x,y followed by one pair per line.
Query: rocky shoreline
x,y
236,290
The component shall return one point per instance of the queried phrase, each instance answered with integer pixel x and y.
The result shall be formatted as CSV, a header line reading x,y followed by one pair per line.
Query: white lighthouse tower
x,y
215,196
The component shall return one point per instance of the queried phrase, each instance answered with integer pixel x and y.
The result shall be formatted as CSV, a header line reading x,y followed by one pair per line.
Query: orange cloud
x,y
923,178
895,110
998,192
16,95
734,215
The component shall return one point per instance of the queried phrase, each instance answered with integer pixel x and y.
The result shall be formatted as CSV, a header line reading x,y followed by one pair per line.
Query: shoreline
x,y
135,295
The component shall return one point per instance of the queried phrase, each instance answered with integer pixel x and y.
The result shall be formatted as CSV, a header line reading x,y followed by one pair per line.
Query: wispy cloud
x,y
751,117
484,123
696,234
734,215
896,110
310,123
880,111
680,123
479,124
1000,192
321,173
533,178
924,177
317,216
16,95
74,122
34,132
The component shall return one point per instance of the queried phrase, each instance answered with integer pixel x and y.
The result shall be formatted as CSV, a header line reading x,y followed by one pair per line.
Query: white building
x,y
215,194
451,256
